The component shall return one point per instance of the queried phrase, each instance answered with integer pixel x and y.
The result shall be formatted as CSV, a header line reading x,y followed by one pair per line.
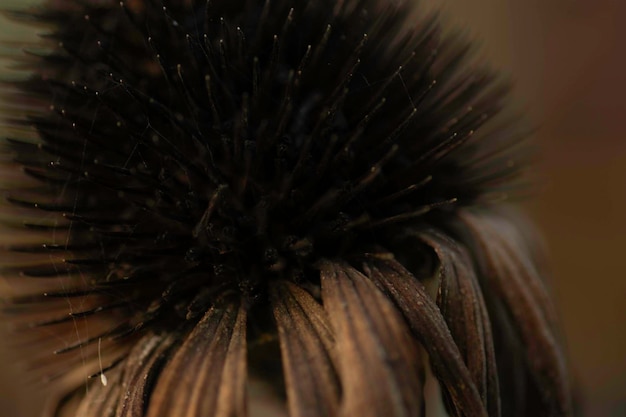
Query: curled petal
x,y
307,344
207,375
509,272
430,328
378,362
463,307
516,398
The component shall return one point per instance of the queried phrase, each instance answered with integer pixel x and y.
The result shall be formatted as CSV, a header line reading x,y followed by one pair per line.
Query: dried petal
x,y
463,307
430,328
307,345
378,362
142,366
513,372
207,375
509,272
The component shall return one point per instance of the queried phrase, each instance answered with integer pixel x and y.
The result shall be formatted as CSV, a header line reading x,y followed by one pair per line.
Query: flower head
x,y
304,192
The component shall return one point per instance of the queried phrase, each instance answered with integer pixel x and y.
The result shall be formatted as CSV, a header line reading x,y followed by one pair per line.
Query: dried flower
x,y
305,192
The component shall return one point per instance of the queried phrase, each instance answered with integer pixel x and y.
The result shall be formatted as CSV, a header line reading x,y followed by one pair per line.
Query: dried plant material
x,y
200,194
378,363
208,371
510,274
431,329
308,346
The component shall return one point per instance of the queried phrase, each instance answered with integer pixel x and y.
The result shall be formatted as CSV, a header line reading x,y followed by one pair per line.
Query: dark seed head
x,y
258,138
183,157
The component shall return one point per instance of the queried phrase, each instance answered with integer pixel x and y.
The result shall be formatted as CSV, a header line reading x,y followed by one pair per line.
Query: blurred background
x,y
568,61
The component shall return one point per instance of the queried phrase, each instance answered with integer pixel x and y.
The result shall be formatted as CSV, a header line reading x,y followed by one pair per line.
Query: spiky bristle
x,y
181,154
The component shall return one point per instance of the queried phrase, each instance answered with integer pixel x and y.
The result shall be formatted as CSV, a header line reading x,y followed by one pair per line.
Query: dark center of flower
x,y
204,152
208,187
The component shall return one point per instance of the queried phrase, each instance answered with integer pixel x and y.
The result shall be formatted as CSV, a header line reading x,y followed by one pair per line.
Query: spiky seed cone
x,y
211,189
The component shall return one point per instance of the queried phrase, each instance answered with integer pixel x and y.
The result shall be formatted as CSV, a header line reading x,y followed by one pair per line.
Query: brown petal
x,y
207,375
142,366
307,344
511,274
378,362
515,397
463,307
430,328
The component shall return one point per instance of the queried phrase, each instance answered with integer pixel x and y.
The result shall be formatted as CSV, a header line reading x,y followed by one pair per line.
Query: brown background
x,y
568,60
